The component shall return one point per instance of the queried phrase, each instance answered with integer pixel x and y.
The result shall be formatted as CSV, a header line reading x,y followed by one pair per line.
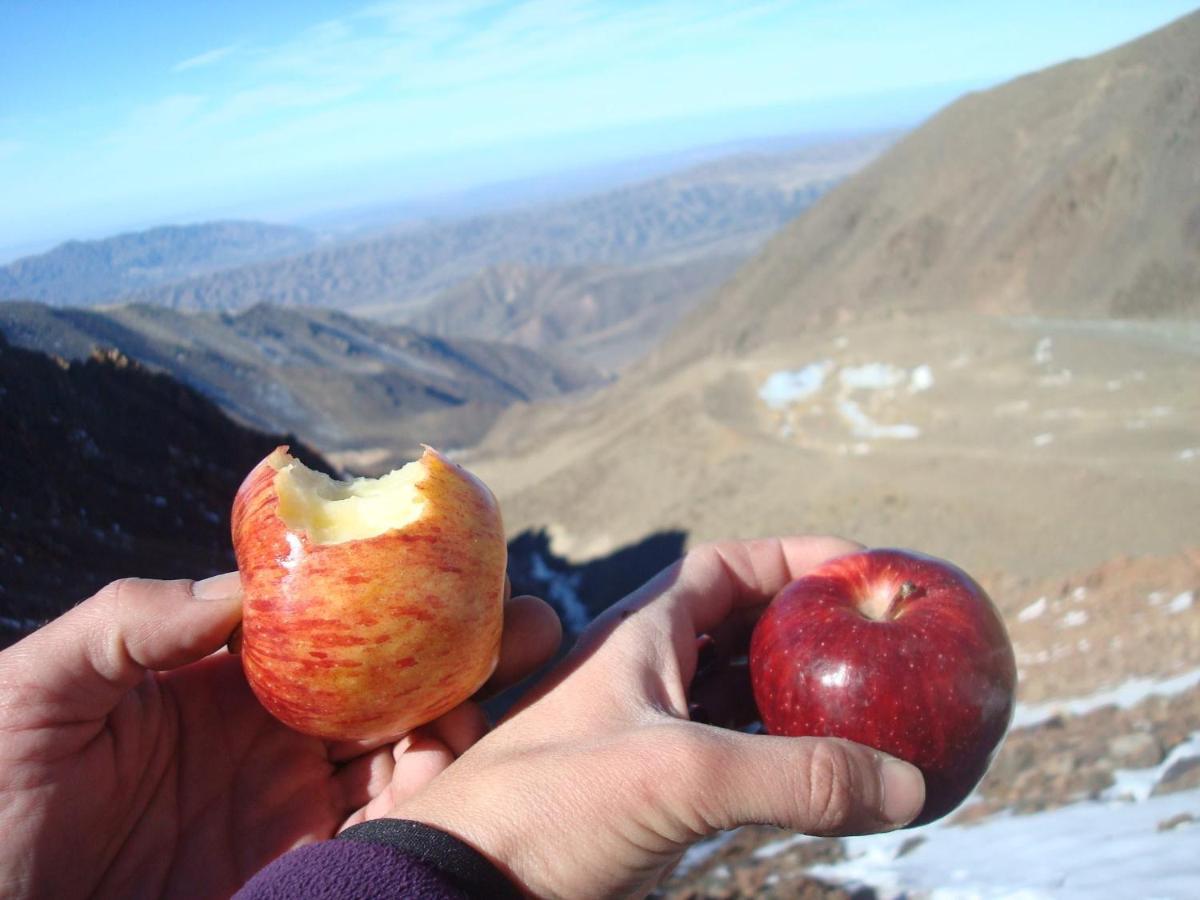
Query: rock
x,y
1181,776
1139,750
1175,821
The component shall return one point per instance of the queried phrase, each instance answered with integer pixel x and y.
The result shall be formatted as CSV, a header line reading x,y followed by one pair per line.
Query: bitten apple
x,y
896,650
370,606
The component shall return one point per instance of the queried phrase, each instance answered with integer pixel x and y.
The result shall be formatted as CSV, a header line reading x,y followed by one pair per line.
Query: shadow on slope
x,y
581,591
110,471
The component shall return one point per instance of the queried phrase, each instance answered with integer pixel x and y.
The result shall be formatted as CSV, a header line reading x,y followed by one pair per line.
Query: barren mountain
x,y
715,209
608,316
110,471
1073,191
1014,429
339,382
85,272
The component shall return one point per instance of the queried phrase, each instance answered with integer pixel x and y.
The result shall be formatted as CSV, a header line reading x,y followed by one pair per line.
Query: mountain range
x,y
341,382
722,207
80,273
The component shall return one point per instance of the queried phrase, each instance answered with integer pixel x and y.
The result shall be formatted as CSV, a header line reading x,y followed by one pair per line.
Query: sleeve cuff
x,y
460,863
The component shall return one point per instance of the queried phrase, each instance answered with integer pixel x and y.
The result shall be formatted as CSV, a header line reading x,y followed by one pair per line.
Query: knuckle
x,y
831,789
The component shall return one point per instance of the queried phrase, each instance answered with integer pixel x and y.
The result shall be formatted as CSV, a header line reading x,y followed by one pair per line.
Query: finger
x,y
717,579
657,625
458,729
364,778
817,786
417,759
532,635
88,658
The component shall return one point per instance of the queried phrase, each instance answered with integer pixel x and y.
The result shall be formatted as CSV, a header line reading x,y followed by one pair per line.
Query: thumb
x,y
83,662
817,786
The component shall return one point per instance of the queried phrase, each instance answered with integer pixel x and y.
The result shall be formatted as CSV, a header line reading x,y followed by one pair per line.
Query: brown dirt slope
x,y
1072,191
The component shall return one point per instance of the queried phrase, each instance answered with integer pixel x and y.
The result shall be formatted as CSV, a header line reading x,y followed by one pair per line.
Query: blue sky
x,y
120,115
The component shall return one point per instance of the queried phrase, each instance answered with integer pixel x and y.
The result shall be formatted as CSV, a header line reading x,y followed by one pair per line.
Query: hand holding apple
x,y
896,650
370,606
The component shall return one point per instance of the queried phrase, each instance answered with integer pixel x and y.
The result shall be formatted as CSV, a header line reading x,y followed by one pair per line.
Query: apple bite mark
x,y
370,606
331,512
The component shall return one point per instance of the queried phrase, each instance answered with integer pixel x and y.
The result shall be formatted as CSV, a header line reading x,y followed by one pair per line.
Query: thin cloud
x,y
204,59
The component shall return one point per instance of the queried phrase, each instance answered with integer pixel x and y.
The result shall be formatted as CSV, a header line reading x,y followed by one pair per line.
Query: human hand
x,y
136,762
598,781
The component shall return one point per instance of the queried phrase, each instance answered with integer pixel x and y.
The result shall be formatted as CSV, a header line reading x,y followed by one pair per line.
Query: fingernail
x,y
219,587
903,791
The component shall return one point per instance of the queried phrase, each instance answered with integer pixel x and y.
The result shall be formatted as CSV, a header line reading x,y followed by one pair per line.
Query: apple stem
x,y
906,590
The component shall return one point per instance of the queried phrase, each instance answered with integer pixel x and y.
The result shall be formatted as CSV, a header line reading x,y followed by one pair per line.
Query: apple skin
x,y
932,681
370,638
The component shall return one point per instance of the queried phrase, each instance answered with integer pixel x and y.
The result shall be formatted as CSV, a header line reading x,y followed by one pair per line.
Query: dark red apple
x,y
896,650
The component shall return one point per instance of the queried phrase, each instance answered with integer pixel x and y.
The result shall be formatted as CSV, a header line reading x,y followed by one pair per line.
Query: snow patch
x,y
920,379
1125,695
781,389
864,426
1086,850
562,589
1042,353
1033,610
1137,784
872,377
1181,602
1074,619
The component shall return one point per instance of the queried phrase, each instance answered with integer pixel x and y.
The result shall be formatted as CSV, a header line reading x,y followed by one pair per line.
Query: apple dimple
x,y
896,650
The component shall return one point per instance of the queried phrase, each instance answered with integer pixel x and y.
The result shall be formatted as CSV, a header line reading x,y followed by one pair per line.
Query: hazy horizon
x,y
123,117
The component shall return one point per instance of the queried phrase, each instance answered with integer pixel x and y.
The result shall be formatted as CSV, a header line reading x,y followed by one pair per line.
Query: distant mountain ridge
x,y
86,272
339,382
722,208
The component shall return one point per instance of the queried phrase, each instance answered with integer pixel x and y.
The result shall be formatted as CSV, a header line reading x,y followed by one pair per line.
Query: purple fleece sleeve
x,y
383,858
348,870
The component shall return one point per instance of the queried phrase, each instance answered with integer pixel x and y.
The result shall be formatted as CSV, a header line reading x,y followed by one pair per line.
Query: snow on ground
x,y
1032,611
864,426
562,590
1124,696
1107,849
872,377
1136,784
782,389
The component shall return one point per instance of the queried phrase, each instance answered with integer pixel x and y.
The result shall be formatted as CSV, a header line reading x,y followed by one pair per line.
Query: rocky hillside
x,y
86,272
341,383
109,471
608,316
1069,192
